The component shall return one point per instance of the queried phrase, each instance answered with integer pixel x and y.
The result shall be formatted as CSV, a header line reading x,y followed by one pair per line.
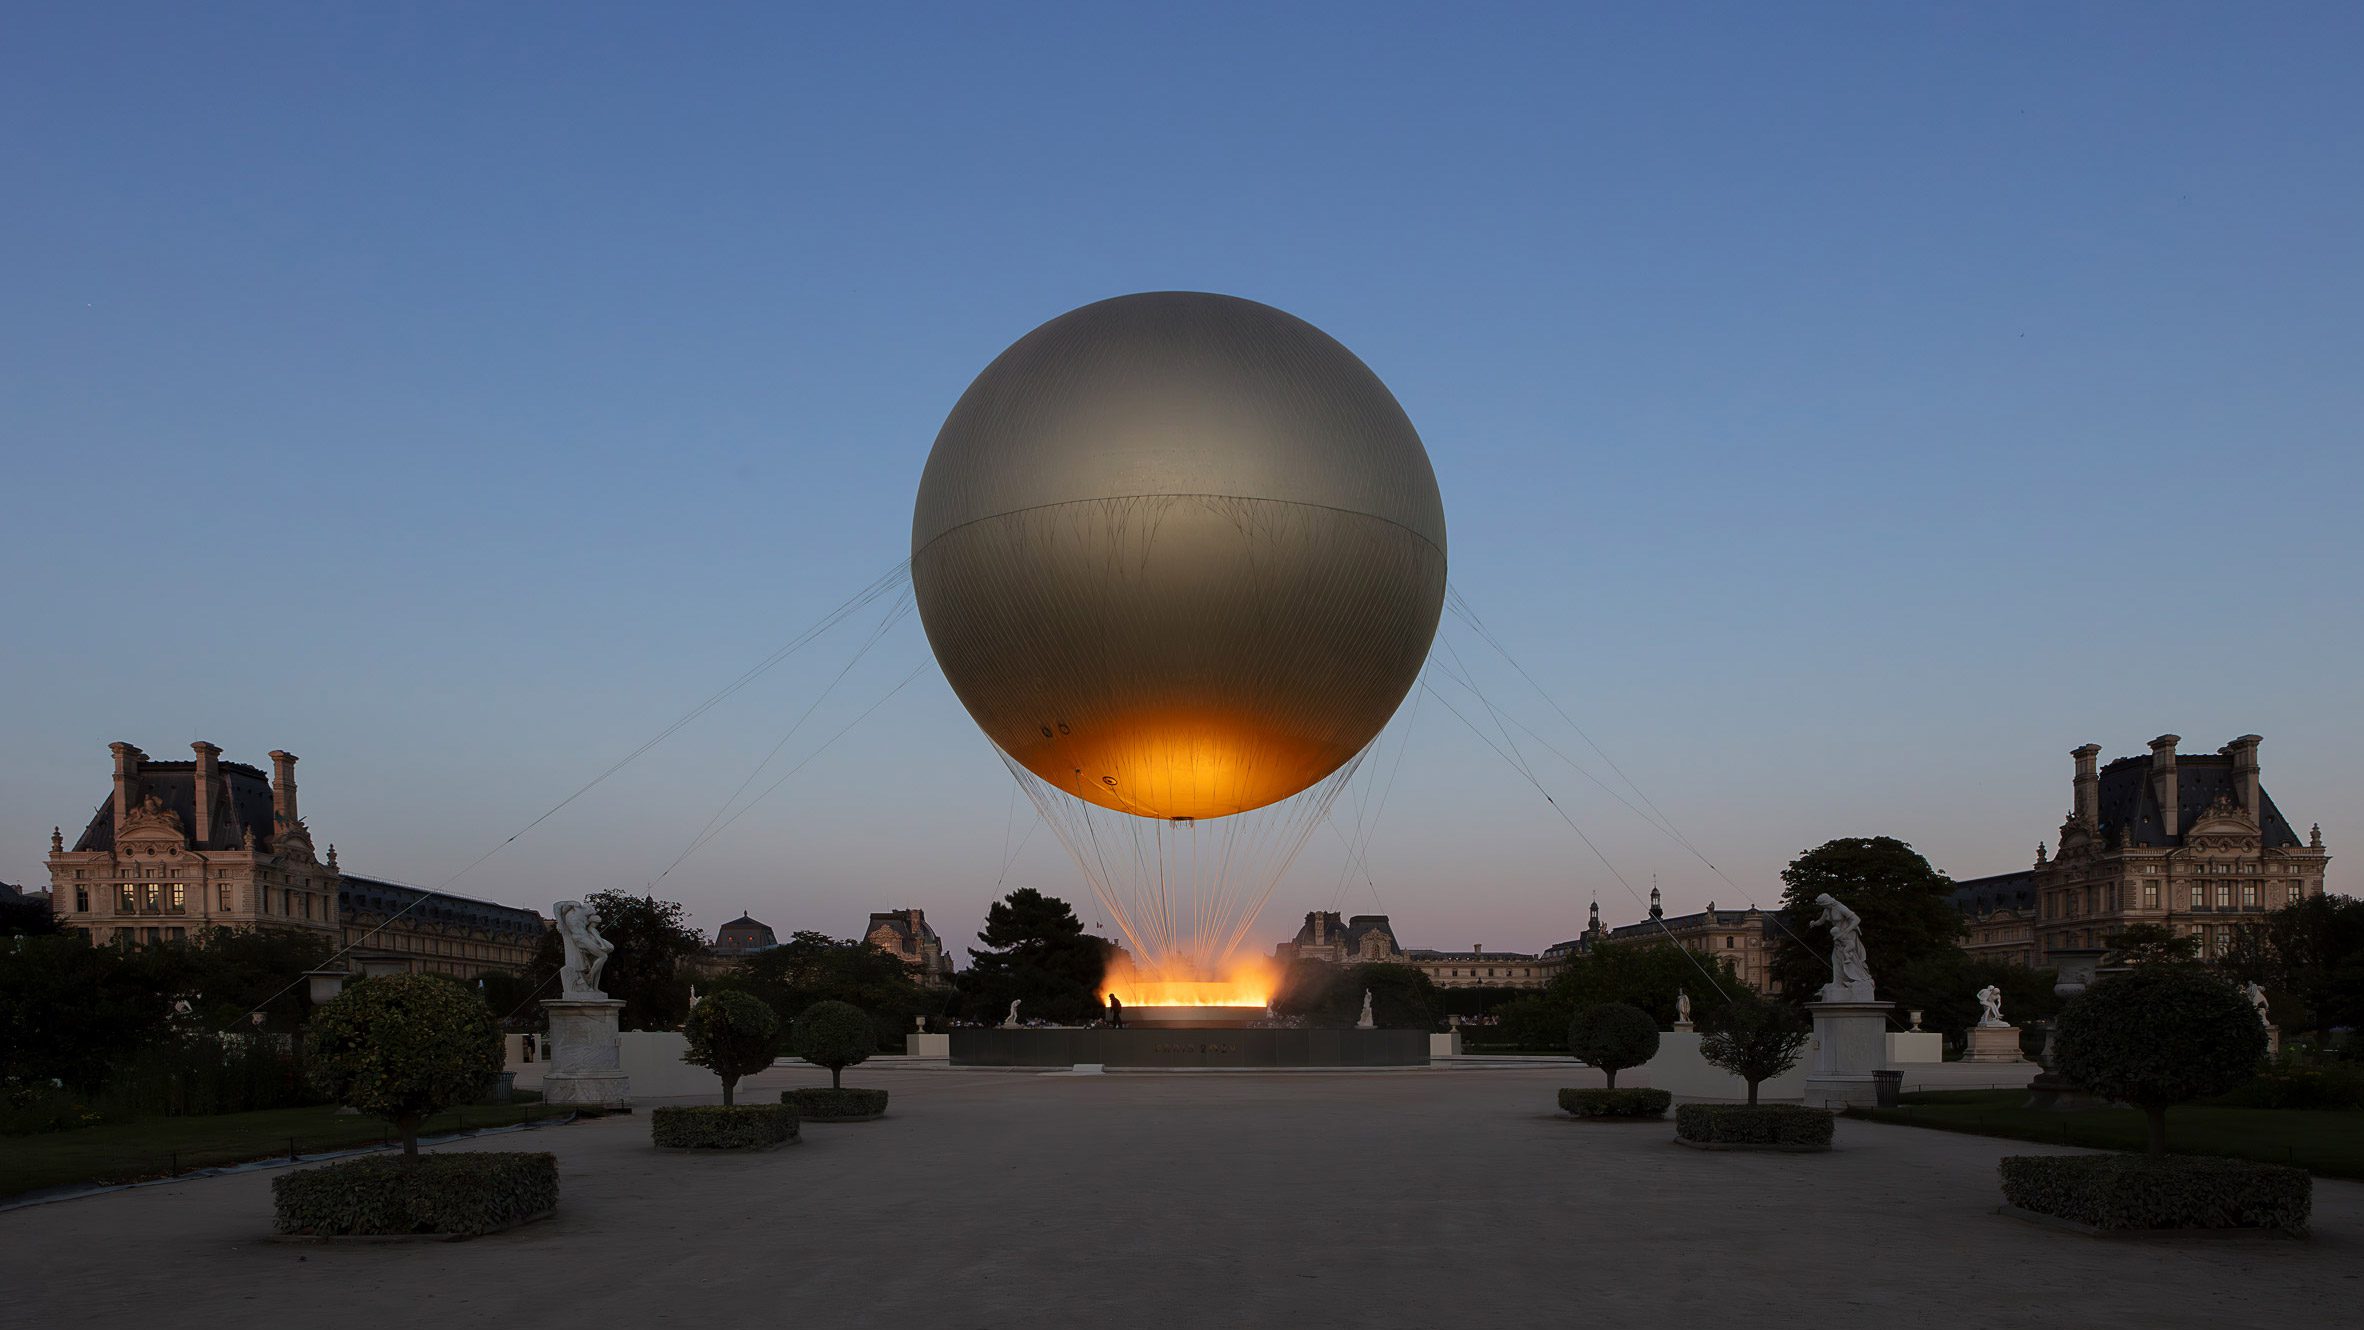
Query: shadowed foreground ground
x,y
1429,1198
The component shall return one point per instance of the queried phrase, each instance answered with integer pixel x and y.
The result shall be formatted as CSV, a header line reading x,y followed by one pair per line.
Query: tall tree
x,y
1038,954
653,943
1905,905
2309,955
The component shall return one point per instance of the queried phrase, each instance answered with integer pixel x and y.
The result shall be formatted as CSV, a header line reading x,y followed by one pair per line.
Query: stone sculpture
x,y
1991,998
1850,969
1366,1022
1010,1022
2255,992
1682,1007
586,950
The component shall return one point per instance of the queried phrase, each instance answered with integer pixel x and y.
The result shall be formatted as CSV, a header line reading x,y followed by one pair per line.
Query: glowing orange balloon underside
x,y
1178,762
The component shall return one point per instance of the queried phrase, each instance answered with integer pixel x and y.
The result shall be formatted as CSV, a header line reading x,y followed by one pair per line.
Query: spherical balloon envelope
x,y
1181,556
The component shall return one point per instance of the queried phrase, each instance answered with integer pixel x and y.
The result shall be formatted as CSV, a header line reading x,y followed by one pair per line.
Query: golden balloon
x,y
1180,555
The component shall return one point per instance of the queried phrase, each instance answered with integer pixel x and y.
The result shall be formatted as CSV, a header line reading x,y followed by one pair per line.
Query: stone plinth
x,y
1993,1043
1850,1043
585,1066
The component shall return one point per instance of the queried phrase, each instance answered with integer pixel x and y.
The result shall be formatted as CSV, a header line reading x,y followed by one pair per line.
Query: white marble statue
x,y
1850,970
2255,992
1682,1007
1366,1022
1010,1022
586,950
1991,998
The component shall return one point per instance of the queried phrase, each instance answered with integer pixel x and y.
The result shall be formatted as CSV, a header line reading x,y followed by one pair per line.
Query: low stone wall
x,y
652,1058
1910,1047
1679,1068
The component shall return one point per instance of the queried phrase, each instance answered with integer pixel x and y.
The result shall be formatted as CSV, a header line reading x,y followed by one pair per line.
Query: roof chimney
x,y
2088,787
283,789
127,774
2163,784
207,774
2244,754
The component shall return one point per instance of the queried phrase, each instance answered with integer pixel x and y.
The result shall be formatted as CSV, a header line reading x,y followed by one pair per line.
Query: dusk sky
x,y
1842,412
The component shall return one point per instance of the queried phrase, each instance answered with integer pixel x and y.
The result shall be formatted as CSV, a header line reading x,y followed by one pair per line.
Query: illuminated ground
x,y
1418,1198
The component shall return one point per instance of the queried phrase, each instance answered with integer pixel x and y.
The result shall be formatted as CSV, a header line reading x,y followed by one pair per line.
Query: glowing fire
x,y
1246,982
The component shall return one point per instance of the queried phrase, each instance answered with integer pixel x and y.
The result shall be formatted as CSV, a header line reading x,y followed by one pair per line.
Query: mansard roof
x,y
241,799
369,899
2129,800
2003,891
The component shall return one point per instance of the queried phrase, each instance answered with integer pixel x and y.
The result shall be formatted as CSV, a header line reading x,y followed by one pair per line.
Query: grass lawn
x,y
161,1147
2323,1141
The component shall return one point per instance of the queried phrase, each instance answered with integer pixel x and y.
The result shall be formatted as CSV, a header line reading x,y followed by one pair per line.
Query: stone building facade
x,y
1480,968
907,935
1743,937
179,847
1338,940
2191,842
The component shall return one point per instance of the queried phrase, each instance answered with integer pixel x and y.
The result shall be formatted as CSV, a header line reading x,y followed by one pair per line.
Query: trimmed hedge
x,y
720,1127
1616,1103
462,1194
822,1103
2122,1192
1768,1126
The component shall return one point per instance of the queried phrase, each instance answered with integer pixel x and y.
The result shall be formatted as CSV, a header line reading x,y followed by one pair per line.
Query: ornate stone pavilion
x,y
183,846
907,934
2189,841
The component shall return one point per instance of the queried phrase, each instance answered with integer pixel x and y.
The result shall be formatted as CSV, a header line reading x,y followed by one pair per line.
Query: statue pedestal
x,y
1682,1027
585,1067
1850,1043
1993,1043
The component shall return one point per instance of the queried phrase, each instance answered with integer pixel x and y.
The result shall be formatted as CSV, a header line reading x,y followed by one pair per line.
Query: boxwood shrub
x,y
723,1127
2122,1192
463,1194
822,1103
1766,1126
1616,1103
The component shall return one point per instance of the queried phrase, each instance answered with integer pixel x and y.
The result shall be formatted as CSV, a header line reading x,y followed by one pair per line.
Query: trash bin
x,y
1888,1086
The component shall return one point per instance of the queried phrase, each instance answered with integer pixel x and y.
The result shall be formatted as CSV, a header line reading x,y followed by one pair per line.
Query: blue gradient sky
x,y
1844,412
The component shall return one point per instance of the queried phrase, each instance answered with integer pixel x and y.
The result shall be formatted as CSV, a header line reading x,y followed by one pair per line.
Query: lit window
x,y
2150,895
2224,895
127,898
151,897
176,897
2249,895
222,898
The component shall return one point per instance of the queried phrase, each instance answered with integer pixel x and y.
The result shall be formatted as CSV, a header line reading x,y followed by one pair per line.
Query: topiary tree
x,y
731,1034
835,1035
1612,1036
2157,1036
403,1047
1754,1039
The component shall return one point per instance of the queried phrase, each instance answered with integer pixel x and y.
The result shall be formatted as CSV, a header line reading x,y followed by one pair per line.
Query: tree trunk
x,y
834,1074
2158,1125
727,1083
1611,1073
409,1127
1752,1094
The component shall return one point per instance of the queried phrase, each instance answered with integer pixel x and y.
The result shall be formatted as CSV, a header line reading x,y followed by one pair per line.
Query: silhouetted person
x,y
1116,1012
